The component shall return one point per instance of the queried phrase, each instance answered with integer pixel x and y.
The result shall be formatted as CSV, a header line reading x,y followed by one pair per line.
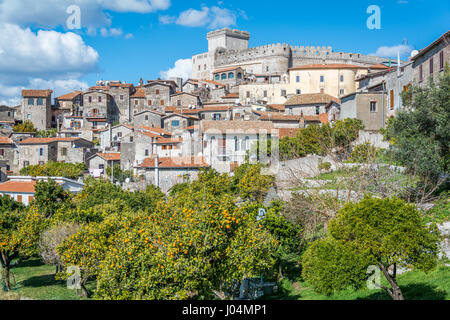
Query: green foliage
x,y
119,174
26,127
383,232
251,184
421,133
47,133
324,166
49,197
55,169
321,139
364,153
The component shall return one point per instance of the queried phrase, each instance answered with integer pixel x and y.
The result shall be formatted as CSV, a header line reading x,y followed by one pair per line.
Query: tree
x,y
387,233
55,169
26,127
420,134
49,197
52,133
251,183
19,234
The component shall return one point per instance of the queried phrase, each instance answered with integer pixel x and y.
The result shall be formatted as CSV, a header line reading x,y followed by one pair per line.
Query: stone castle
x,y
230,48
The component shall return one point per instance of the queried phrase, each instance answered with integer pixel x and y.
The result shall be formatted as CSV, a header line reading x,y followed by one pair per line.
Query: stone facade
x,y
230,48
37,108
184,99
148,118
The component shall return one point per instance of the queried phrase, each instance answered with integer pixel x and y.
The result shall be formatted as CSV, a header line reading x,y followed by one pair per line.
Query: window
x,y
19,198
441,60
239,75
342,78
40,101
322,78
90,99
64,151
101,166
136,102
157,91
248,94
391,98
298,91
170,147
121,97
41,152
29,116
421,72
431,65
30,199
265,93
236,144
146,152
224,76
2,152
217,77
41,163
175,123
322,90
267,69
149,102
216,116
373,106
297,79
341,91
162,102
179,103
164,147
283,93
317,110
31,101
131,139
231,75
146,118
204,67
26,164
119,134
9,114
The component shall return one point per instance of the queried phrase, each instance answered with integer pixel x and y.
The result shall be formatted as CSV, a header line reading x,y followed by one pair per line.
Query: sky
x,y
67,45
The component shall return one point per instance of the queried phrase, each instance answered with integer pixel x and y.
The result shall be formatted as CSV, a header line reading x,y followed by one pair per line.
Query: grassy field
x,y
36,281
415,285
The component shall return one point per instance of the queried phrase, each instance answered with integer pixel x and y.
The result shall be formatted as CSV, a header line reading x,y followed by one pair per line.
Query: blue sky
x,y
128,39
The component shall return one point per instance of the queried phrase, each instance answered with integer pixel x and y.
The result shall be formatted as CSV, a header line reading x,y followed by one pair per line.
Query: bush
x,y
55,169
324,166
364,153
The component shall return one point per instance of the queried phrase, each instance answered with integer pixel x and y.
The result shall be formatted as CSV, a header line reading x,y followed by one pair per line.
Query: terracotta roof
x,y
215,108
330,66
231,96
238,126
170,109
175,162
94,88
213,82
157,130
169,140
312,98
279,107
47,140
192,128
226,69
179,92
322,118
36,93
109,156
123,85
276,116
379,66
5,140
288,132
139,93
69,96
149,134
18,186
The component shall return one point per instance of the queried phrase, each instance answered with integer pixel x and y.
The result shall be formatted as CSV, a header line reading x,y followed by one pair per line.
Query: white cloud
x,y
52,13
45,52
129,36
182,69
42,60
390,52
113,32
194,18
212,18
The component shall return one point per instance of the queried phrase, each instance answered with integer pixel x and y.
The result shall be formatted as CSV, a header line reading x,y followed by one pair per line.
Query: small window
x,y
40,101
322,79
146,118
236,144
164,147
248,94
90,99
100,99
373,106
391,98
162,102
298,91
157,91
217,77
64,151
224,76
283,93
41,152
146,152
179,103
231,75
2,152
317,110
431,66
136,102
341,92
441,60
239,75
149,102
342,78
265,93
31,101
121,97
421,72
131,139
101,166
175,123
297,79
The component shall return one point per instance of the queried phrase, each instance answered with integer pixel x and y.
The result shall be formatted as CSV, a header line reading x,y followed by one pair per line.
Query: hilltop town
x,y
165,130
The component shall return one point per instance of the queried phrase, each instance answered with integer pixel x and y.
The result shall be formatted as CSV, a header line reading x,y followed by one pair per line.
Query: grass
x,y
36,281
415,285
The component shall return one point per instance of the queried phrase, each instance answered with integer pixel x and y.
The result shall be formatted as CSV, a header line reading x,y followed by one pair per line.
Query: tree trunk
x,y
84,293
7,278
280,272
396,292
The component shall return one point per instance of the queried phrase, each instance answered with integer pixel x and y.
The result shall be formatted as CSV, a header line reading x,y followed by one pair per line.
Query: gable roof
x,y
236,125
227,69
69,96
6,140
138,94
109,156
176,162
432,45
18,186
48,140
36,93
312,98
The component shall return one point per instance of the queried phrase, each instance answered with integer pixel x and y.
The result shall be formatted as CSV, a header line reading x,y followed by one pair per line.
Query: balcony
x,y
90,114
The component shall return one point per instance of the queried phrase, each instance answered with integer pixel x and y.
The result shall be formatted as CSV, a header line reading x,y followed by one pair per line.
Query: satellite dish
x,y
127,180
414,53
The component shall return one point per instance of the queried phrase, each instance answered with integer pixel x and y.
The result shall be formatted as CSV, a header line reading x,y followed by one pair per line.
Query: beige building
x,y
333,79
37,108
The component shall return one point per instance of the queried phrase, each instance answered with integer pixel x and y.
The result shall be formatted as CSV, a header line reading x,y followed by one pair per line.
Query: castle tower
x,y
227,39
